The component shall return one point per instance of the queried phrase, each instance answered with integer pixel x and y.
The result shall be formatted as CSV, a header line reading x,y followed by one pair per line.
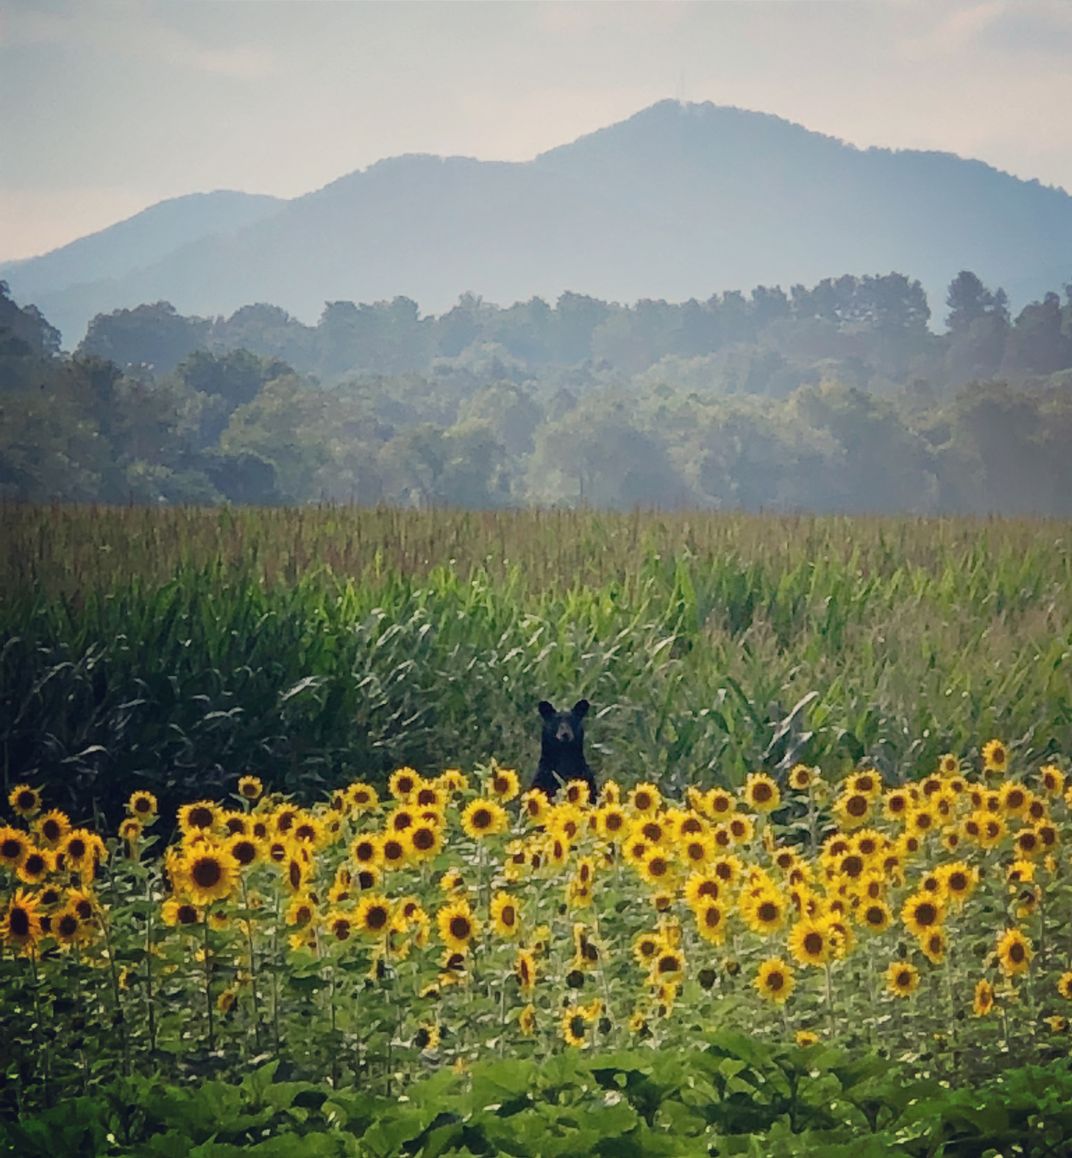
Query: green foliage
x,y
733,1096
177,649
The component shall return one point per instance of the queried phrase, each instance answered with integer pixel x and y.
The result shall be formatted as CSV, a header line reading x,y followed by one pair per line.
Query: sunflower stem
x,y
208,982
829,999
248,921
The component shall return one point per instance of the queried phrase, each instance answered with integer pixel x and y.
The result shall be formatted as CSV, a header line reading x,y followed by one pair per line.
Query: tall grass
x,y
178,648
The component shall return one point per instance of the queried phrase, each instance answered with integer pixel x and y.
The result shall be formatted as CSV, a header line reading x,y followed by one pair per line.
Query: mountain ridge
x,y
676,201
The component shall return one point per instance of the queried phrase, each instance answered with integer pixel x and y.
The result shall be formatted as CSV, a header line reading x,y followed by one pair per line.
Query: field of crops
x,y
271,880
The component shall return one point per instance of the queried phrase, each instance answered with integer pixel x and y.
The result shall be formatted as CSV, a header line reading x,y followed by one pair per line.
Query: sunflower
x,y
300,912
340,924
525,970
130,830
711,919
250,787
81,851
535,806
991,830
373,915
20,927
668,965
394,852
726,869
24,800
52,827
296,872
577,792
761,792
208,874
696,850
983,1000
763,914
425,841
902,978
645,946
995,756
36,865
801,777
1053,779
740,828
403,781
505,915
574,1026
875,916
235,823
366,849
143,805
805,1038
201,816
921,913
483,818
362,797
897,804
1027,844
645,798
1014,952
852,809
934,946
67,927
14,845
811,941
774,980
245,850
308,831
176,912
948,764
655,868
457,926
1064,985
958,881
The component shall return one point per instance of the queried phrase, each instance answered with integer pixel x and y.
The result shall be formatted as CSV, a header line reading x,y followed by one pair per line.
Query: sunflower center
x,y
856,805
926,914
460,928
813,944
761,793
244,851
767,912
206,872
201,817
19,922
775,980
423,839
1016,952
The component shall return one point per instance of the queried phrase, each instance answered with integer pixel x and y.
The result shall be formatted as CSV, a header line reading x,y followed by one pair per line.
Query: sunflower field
x,y
264,889
370,942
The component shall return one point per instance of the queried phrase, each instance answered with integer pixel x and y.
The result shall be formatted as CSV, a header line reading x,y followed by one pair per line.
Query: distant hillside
x,y
678,201
92,268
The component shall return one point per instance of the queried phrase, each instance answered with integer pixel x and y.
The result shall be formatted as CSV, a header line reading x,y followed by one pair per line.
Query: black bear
x,y
562,750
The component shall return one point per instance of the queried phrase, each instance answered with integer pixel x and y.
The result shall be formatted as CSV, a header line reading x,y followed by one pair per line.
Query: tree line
x,y
838,397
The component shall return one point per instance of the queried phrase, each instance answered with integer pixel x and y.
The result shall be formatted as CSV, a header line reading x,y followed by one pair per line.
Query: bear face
x,y
564,730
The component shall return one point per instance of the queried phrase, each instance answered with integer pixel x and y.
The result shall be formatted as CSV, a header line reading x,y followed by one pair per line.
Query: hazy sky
x,y
107,106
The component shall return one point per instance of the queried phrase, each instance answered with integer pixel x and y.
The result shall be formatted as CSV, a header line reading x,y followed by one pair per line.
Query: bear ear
x,y
545,709
580,708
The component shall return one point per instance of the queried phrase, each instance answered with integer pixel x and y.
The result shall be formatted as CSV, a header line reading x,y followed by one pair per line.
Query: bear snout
x,y
564,734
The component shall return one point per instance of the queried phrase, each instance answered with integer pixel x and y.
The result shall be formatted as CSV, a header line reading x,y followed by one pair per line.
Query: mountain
x,y
678,201
103,259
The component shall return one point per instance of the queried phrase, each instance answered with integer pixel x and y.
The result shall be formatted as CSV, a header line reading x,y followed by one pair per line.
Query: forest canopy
x,y
839,397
